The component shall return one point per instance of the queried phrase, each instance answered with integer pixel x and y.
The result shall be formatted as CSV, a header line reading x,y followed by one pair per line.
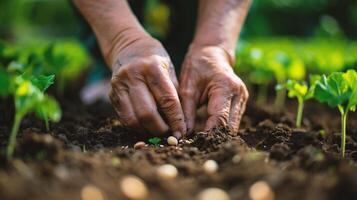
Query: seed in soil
x,y
133,187
91,192
167,171
210,166
139,145
261,191
213,194
172,141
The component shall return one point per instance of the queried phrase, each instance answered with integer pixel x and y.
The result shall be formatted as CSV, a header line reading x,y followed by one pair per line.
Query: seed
x,y
213,194
167,171
210,166
261,191
172,141
139,145
133,187
91,192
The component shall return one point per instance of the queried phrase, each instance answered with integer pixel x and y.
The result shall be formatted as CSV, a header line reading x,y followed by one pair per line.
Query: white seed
x,y
167,171
213,194
210,166
133,187
139,145
261,191
91,192
172,141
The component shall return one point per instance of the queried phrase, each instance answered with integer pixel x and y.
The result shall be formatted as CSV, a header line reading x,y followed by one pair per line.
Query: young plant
x,y
339,90
155,141
301,91
28,93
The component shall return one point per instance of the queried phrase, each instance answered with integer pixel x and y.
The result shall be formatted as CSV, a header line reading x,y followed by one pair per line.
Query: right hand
x,y
144,89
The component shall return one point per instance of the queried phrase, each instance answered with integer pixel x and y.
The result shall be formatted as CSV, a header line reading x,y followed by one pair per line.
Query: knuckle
x,y
168,102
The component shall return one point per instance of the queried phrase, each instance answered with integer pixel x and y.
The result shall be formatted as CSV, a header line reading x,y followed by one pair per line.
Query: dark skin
x,y
144,89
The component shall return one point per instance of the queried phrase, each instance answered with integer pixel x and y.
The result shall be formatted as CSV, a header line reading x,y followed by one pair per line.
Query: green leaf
x,y
48,108
155,141
43,82
351,79
333,90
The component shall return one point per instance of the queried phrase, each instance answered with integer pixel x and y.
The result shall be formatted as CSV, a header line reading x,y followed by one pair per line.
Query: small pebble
x,y
172,141
161,146
167,171
213,194
91,192
139,145
261,191
210,166
133,187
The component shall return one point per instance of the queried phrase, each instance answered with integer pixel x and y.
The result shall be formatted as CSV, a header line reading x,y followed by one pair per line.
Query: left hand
x,y
207,77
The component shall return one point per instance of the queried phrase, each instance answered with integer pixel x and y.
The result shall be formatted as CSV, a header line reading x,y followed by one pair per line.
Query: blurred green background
x,y
23,20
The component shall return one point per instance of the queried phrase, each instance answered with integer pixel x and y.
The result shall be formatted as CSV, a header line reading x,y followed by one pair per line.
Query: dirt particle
x,y
261,191
133,187
213,194
167,171
91,192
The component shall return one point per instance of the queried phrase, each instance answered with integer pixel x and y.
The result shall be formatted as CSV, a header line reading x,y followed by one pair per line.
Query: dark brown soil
x,y
89,147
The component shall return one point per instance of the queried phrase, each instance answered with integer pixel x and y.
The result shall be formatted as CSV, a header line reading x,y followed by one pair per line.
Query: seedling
x,y
155,141
301,91
29,97
339,90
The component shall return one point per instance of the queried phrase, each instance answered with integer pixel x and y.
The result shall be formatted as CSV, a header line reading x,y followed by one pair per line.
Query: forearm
x,y
219,23
113,23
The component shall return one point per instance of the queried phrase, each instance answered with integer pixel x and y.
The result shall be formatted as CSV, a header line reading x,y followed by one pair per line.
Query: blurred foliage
x,y
67,59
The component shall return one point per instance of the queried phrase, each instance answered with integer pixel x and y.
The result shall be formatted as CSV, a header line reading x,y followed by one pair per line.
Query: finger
x,y
173,76
168,101
219,103
146,110
236,112
124,109
189,99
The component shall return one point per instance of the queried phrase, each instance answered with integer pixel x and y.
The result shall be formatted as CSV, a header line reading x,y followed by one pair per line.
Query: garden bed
x,y
89,154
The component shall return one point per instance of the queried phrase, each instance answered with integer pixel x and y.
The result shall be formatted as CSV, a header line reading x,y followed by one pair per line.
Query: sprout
x,y
301,91
29,97
155,141
339,90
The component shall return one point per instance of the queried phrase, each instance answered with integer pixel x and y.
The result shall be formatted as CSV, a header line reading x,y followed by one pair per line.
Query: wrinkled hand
x,y
207,76
144,89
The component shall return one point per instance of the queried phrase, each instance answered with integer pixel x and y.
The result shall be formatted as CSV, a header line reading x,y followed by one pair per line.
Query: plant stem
x,y
262,95
46,121
12,139
343,132
299,113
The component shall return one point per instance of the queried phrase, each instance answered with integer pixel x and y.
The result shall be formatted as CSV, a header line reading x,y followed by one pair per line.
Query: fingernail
x,y
177,134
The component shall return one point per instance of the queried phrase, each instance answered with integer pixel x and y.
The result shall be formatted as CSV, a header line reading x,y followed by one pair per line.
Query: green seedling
x,y
339,90
28,93
301,91
155,141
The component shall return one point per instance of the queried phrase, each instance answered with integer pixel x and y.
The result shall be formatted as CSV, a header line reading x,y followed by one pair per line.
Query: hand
x,y
207,76
144,89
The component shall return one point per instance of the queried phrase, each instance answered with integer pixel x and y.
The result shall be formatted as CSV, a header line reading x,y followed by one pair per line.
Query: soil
x,y
89,147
